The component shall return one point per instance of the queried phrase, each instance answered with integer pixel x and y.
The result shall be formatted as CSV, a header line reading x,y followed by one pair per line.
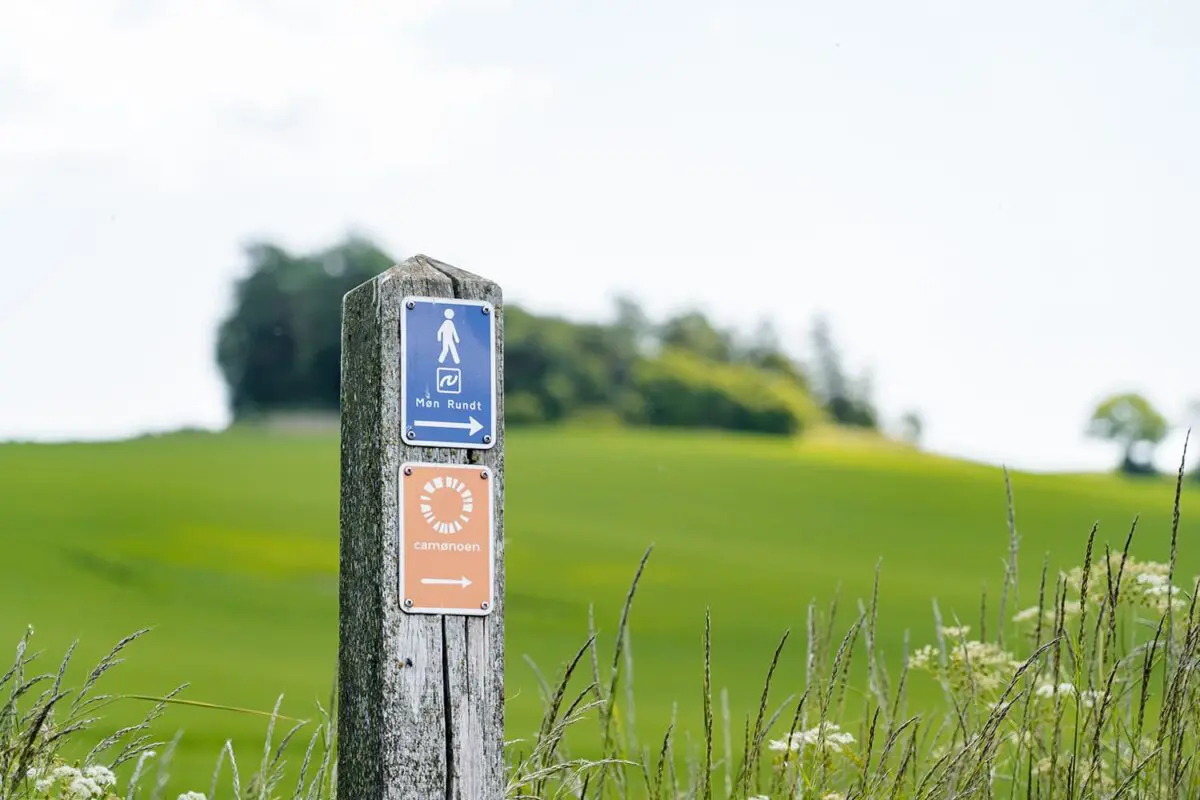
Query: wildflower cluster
x,y
1142,585
65,782
1087,698
967,665
828,736
806,760
71,782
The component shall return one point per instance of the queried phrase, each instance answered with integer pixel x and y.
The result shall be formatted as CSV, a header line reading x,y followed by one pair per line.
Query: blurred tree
x,y
766,352
682,389
692,332
847,401
1134,424
567,367
911,427
634,328
280,346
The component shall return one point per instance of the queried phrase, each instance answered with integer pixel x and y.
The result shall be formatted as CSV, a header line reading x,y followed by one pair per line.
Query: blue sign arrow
x,y
448,372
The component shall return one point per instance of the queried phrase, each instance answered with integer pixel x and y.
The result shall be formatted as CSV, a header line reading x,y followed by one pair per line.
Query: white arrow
x,y
472,426
464,581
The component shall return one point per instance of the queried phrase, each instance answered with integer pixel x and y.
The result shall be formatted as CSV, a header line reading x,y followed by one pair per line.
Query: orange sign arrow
x,y
447,539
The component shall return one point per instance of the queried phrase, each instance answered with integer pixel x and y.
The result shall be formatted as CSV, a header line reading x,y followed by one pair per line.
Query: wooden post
x,y
421,688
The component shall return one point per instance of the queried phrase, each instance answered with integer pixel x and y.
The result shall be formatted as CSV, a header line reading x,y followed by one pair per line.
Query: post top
x,y
464,284
458,276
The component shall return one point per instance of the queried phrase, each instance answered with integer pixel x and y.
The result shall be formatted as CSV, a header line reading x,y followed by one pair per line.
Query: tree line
x,y
279,350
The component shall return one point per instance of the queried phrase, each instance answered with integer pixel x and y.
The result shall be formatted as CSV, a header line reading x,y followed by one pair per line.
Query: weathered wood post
x,y
421,639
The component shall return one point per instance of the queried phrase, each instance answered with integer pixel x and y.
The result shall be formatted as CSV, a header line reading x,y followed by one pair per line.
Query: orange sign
x,y
446,539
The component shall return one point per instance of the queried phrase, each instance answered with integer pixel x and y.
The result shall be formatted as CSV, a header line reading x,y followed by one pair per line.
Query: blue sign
x,y
448,372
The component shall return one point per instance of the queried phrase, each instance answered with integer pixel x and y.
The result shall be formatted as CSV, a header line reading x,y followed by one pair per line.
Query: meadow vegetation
x,y
1063,681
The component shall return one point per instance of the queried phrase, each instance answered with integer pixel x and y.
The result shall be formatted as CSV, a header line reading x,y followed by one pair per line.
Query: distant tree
x,y
692,332
911,427
765,351
1130,421
679,388
280,346
561,368
633,325
846,400
763,344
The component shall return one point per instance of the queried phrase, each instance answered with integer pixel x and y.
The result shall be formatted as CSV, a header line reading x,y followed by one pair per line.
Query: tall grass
x,y
1090,693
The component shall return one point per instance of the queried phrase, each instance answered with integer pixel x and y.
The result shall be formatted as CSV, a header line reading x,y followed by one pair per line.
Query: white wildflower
x,y
833,739
783,745
84,789
1050,689
922,658
103,776
200,796
1026,614
956,632
64,771
833,796
43,786
830,735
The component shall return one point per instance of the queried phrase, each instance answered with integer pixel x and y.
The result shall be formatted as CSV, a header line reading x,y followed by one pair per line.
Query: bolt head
x,y
408,470
487,438
408,603
410,434
487,309
410,304
483,473
485,605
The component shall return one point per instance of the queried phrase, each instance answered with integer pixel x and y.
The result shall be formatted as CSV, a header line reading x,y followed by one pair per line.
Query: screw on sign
x,y
446,539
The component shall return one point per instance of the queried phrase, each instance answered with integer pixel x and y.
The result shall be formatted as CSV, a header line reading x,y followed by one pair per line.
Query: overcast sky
x,y
995,203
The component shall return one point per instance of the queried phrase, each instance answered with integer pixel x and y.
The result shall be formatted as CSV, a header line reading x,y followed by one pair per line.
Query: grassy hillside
x,y
228,545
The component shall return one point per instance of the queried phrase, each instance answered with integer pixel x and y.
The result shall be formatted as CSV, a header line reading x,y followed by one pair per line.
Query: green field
x,y
227,544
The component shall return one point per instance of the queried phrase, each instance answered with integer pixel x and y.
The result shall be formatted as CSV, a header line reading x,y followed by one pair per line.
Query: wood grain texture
x,y
475,645
421,697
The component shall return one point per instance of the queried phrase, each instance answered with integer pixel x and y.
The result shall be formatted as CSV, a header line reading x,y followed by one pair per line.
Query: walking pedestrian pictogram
x,y
448,336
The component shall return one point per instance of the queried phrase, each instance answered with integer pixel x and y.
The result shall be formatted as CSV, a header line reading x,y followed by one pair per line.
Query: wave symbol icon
x,y
449,380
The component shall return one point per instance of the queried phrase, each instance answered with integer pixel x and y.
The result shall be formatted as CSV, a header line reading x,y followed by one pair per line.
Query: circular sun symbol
x,y
447,504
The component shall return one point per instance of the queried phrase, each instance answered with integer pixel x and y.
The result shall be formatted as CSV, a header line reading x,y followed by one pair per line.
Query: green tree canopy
x,y
847,400
1133,423
692,332
280,346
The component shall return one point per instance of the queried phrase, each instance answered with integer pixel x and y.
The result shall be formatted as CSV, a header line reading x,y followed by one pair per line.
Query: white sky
x,y
996,205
